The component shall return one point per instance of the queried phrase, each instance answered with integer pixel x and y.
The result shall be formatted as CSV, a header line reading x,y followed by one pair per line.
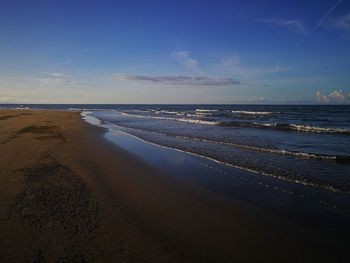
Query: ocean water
x,y
307,145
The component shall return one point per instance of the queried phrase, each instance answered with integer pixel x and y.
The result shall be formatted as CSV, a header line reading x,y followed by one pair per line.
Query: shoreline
x,y
102,203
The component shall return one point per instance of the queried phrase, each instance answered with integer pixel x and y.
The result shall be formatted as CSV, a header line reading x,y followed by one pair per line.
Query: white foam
x,y
253,112
301,128
205,110
89,119
167,112
173,119
74,109
316,129
22,108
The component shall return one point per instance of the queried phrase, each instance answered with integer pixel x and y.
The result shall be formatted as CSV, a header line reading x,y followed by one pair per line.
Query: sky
x,y
140,51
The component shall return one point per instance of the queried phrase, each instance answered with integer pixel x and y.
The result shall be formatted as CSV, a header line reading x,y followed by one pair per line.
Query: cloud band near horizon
x,y
180,80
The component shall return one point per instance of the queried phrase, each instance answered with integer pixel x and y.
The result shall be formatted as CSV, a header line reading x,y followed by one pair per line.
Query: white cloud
x,y
336,96
293,25
180,80
183,57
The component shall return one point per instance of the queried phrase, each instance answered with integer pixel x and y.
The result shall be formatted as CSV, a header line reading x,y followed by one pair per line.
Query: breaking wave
x,y
205,110
306,155
253,112
288,127
196,121
276,126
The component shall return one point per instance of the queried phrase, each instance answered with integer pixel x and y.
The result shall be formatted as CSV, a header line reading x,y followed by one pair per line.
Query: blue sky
x,y
142,51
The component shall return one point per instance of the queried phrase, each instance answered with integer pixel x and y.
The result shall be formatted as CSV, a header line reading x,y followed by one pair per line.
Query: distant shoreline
x,y
178,104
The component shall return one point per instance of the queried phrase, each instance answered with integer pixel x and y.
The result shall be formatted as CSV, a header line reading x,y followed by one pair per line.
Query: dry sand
x,y
67,195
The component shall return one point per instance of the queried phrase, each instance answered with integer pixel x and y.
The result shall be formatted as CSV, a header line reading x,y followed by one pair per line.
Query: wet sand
x,y
68,195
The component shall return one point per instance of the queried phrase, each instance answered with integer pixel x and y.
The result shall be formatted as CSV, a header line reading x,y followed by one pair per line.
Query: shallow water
x,y
325,211
303,144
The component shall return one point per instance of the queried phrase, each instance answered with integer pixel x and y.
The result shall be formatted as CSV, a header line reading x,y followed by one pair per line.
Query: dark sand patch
x,y
56,136
3,118
57,201
49,132
42,171
36,257
45,133
56,198
9,139
38,129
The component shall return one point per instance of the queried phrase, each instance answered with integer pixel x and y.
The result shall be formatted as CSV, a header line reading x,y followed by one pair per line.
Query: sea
x,y
293,160
308,145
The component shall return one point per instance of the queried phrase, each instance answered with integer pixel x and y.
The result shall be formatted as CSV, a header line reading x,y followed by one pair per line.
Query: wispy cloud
x,y
180,80
229,63
293,25
298,27
258,100
55,74
344,22
55,78
4,99
323,18
9,99
341,23
56,81
183,57
336,96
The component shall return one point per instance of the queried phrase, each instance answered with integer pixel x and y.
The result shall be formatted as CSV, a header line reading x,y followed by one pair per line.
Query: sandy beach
x,y
68,195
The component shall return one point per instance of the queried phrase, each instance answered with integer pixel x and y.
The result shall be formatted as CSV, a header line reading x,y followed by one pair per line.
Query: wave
x,y
255,170
75,109
197,121
288,127
277,126
159,111
258,170
337,158
146,111
344,159
253,112
168,112
307,128
205,110
23,108
86,109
